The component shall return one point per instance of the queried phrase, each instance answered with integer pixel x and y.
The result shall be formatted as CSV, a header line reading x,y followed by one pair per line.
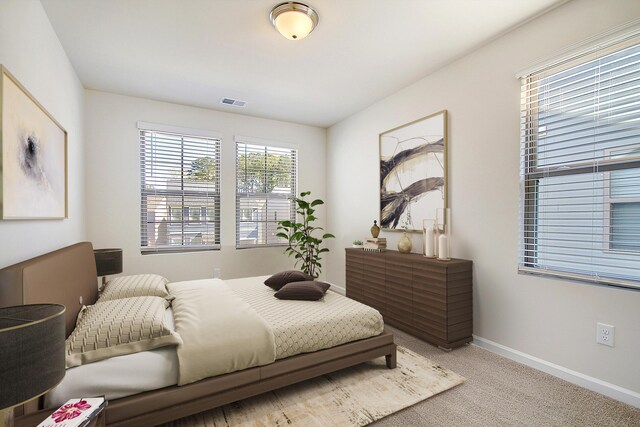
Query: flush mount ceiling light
x,y
294,20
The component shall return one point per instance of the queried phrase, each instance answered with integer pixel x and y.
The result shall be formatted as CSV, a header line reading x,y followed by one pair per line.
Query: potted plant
x,y
302,244
357,243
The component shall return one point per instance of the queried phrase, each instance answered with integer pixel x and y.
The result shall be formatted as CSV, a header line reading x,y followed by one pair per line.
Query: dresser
x,y
428,298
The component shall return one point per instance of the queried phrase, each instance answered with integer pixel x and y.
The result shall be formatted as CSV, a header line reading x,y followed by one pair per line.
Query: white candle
x,y
436,233
429,242
443,246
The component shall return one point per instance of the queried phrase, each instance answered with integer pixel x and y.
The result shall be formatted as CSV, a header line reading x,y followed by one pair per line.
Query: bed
x,y
67,275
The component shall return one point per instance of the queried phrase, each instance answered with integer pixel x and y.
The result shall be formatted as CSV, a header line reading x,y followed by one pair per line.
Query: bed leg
x,y
391,358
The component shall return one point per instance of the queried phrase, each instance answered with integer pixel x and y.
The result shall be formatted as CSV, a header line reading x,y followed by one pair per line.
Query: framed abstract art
x,y
413,172
33,156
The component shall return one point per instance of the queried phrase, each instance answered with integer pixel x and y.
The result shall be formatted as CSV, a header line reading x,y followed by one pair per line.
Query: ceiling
x,y
195,52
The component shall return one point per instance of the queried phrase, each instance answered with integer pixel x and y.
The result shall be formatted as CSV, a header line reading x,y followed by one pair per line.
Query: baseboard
x,y
611,390
338,289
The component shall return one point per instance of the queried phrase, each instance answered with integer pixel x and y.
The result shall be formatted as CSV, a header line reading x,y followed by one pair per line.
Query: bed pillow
x,y
139,285
118,327
278,280
303,291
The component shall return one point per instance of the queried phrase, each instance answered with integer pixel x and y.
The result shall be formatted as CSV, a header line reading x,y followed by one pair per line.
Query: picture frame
x,y
33,156
413,172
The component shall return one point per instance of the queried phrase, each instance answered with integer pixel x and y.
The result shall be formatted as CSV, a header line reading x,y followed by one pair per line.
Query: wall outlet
x,y
605,334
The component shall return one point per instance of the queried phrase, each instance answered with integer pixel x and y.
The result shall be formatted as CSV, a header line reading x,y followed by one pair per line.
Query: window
x,y
580,167
180,189
265,185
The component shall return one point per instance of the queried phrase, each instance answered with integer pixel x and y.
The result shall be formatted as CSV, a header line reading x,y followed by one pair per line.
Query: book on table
x,y
75,412
377,240
372,245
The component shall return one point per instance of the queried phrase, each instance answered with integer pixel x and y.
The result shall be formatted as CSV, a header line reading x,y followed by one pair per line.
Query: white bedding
x,y
119,376
297,326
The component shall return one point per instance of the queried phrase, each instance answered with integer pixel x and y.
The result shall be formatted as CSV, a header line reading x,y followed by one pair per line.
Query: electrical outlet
x,y
605,334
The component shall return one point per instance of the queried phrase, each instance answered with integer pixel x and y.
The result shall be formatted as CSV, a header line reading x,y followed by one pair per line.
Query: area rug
x,y
354,396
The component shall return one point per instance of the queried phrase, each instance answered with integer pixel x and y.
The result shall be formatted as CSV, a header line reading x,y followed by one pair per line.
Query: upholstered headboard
x,y
59,277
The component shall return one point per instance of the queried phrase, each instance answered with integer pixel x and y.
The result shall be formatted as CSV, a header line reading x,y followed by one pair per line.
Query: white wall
x,y
113,180
30,50
550,319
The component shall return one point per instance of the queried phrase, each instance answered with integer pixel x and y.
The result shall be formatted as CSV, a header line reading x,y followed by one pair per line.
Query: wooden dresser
x,y
425,297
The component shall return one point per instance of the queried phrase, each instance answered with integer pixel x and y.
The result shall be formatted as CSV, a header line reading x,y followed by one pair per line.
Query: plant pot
x,y
357,246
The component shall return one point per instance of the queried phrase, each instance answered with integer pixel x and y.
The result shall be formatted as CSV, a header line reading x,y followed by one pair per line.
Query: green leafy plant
x,y
357,242
203,169
302,244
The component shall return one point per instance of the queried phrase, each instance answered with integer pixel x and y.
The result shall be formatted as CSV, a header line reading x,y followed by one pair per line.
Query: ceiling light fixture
x,y
294,20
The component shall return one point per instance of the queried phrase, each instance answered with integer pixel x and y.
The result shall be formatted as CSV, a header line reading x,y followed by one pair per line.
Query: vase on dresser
x,y
404,244
375,230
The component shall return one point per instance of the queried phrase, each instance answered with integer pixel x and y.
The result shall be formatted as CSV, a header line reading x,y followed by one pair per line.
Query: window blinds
x,y
180,192
265,185
580,167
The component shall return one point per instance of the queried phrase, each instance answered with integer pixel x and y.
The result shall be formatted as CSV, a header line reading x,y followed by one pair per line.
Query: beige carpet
x,y
500,392
355,396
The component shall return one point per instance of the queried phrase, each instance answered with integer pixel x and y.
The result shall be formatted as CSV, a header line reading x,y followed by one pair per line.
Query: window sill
x,y
273,245
177,249
580,278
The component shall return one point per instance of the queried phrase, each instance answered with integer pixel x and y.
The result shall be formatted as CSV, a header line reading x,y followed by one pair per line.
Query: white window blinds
x,y
180,192
265,185
580,167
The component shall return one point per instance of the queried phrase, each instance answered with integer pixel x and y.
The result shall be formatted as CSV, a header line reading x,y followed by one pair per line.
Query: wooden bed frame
x,y
66,275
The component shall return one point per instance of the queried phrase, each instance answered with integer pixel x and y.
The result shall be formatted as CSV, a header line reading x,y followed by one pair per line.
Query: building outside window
x,y
180,189
266,178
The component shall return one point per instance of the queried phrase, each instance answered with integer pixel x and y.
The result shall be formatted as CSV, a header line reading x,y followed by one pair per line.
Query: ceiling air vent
x,y
235,102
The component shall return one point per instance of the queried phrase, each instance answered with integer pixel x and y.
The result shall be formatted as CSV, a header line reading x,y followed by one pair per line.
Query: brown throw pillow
x,y
304,291
323,285
278,280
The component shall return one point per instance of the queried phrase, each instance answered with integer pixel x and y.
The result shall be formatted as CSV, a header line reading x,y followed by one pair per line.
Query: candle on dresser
x,y
443,246
430,242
